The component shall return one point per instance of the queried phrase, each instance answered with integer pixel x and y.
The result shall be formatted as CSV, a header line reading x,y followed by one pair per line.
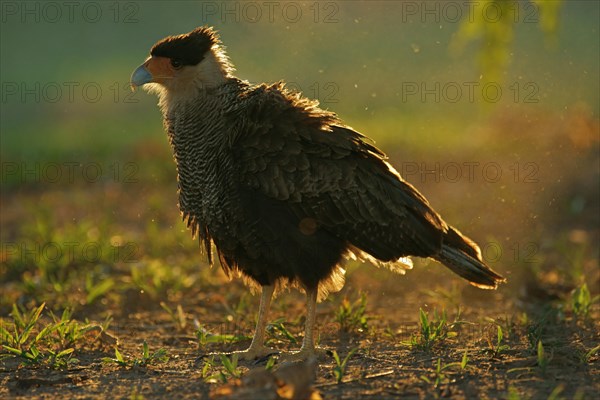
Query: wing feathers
x,y
328,172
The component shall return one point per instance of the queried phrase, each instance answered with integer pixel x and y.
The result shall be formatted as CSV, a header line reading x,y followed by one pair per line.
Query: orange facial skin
x,y
160,68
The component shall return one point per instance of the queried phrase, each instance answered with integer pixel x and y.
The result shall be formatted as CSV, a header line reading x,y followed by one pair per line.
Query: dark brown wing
x,y
287,149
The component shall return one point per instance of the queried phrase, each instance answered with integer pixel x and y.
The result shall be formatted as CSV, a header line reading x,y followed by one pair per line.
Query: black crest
x,y
188,49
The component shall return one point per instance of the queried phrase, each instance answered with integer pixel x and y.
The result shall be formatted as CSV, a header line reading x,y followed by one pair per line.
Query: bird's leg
x,y
308,349
308,344
257,348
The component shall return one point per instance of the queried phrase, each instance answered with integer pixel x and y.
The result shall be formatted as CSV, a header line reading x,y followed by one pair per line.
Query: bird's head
x,y
184,63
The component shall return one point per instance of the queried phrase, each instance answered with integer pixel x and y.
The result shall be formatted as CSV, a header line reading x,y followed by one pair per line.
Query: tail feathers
x,y
463,257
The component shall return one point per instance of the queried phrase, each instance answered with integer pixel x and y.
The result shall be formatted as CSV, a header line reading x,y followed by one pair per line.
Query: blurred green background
x,y
411,75
370,54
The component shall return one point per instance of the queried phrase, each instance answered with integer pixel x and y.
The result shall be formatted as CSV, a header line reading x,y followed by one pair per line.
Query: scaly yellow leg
x,y
308,349
257,348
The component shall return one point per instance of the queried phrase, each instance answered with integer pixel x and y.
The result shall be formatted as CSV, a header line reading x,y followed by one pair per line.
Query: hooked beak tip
x,y
140,77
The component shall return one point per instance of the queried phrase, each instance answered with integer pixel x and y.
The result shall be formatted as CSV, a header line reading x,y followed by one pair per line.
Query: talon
x,y
305,355
256,354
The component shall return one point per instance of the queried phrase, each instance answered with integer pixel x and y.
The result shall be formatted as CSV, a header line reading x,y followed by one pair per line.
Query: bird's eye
x,y
176,64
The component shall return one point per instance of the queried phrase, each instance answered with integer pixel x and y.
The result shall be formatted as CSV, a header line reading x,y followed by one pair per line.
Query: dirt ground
x,y
384,365
151,285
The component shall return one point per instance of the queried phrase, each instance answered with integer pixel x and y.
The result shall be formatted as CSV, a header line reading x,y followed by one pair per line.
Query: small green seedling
x,y
270,364
231,365
431,332
206,367
206,337
30,356
229,369
52,345
440,374
351,315
240,308
119,359
62,359
586,356
159,356
340,366
464,361
535,331
499,347
68,330
177,316
582,301
278,330
23,324
96,290
208,363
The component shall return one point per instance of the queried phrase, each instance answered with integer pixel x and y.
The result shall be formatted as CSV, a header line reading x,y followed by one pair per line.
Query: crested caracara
x,y
285,190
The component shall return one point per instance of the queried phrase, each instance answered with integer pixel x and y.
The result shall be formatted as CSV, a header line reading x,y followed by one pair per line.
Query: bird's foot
x,y
305,354
252,353
255,353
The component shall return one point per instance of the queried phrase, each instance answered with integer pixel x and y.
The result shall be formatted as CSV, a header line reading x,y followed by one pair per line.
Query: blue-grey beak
x,y
140,76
